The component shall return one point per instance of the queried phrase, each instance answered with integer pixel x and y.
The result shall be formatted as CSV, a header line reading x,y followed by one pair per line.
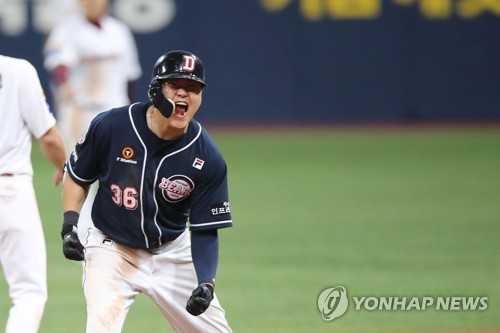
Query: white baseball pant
x,y
115,274
22,253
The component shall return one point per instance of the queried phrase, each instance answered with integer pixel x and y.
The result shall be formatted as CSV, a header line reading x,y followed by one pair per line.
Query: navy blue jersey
x,y
149,188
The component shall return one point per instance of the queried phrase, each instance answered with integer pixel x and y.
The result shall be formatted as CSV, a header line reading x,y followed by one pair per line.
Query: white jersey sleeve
x,y
133,67
33,103
24,112
59,47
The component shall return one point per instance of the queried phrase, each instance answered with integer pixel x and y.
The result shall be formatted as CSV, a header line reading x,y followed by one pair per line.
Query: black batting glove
x,y
72,248
200,299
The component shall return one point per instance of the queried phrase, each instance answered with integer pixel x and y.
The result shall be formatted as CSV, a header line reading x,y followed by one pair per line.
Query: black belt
x,y
6,175
159,249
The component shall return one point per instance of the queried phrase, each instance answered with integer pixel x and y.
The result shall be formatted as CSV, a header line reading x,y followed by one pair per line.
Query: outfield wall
x,y
310,60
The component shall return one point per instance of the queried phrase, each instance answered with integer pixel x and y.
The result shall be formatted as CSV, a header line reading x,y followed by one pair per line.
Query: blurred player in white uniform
x,y
93,61
24,113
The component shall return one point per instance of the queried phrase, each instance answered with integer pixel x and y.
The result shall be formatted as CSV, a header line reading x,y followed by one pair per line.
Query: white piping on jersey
x,y
142,176
194,226
79,178
158,169
156,175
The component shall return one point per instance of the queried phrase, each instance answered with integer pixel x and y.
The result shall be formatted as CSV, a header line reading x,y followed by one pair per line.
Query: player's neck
x,y
95,21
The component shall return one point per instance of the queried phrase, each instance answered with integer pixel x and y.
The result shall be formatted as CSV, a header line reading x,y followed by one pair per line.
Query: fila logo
x,y
189,62
198,163
106,241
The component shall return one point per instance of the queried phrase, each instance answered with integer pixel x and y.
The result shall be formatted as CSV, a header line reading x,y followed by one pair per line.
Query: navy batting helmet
x,y
173,65
179,65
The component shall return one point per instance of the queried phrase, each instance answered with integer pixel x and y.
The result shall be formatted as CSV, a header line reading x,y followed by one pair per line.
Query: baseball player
x,y
162,196
93,61
24,113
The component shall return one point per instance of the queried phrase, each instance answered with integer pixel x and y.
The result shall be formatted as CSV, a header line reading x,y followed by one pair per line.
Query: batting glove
x,y
72,248
200,299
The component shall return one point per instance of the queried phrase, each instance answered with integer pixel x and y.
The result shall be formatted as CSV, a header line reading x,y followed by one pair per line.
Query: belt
x,y
6,175
159,249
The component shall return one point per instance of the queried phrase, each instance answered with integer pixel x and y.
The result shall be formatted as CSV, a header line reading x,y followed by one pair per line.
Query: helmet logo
x,y
189,63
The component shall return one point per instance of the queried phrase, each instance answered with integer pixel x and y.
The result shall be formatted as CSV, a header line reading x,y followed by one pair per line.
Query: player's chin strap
x,y
166,106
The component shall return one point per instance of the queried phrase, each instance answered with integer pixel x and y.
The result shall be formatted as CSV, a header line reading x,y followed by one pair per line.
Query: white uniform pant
x,y
22,253
73,121
115,274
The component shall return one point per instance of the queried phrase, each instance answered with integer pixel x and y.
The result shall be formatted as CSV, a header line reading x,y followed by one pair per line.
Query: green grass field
x,y
382,213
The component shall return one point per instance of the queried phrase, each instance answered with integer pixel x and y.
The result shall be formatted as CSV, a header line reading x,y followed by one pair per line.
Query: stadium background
x,y
311,60
383,210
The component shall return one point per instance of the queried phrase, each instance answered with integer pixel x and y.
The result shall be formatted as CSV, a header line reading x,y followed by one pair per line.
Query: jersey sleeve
x,y
83,164
210,207
134,70
58,49
33,104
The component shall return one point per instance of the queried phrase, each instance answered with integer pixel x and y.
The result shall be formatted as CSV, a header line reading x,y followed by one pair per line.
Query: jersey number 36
x,y
126,197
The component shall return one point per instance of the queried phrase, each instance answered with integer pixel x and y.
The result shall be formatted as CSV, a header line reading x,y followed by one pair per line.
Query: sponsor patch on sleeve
x,y
221,208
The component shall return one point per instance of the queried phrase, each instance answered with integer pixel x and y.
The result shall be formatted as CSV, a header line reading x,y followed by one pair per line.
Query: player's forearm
x,y
74,195
53,148
205,252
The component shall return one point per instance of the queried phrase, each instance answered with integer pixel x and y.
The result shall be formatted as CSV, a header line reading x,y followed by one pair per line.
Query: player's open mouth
x,y
181,109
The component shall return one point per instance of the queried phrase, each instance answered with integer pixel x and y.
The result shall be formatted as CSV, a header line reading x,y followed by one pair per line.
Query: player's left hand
x,y
58,177
200,299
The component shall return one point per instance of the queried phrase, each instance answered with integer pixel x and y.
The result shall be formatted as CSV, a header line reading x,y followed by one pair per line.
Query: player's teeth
x,y
181,107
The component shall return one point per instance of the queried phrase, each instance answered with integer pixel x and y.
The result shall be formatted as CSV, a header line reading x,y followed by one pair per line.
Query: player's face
x,y
94,9
187,96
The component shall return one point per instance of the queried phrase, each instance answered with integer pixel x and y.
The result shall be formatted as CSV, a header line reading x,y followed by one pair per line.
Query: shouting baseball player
x,y
162,196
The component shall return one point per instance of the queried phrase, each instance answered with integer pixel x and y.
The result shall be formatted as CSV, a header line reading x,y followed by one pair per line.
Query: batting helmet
x,y
179,65
173,65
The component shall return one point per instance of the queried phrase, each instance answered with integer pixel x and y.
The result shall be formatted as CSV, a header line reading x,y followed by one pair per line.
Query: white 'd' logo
x,y
332,303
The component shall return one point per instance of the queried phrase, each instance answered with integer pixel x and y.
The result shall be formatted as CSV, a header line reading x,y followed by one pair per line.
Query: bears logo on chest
x,y
176,188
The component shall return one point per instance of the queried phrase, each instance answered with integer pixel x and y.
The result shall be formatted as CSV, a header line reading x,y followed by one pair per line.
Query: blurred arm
x,y
53,148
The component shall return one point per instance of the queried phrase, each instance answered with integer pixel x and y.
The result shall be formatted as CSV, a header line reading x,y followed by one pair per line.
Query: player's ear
x,y
159,101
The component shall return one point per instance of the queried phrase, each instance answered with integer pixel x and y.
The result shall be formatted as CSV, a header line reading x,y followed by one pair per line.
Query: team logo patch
x,y
198,163
128,153
176,188
221,208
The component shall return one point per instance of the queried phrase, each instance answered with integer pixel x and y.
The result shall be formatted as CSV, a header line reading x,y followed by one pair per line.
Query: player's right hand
x,y
72,248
